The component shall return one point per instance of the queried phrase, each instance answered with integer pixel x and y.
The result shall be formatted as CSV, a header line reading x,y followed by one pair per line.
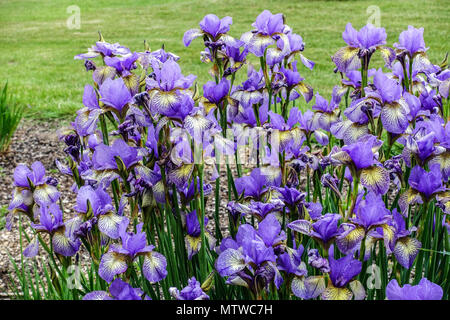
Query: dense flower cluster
x,y
357,182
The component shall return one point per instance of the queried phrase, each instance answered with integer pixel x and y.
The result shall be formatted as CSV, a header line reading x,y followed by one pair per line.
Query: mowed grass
x,y
37,48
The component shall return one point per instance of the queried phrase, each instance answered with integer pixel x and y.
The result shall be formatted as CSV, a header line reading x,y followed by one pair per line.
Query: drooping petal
x,y
308,288
109,224
351,240
258,43
190,35
358,290
376,179
64,245
181,175
32,249
193,245
388,55
101,74
97,295
346,59
45,194
305,90
410,196
394,117
334,293
302,226
112,264
154,266
406,250
164,101
230,262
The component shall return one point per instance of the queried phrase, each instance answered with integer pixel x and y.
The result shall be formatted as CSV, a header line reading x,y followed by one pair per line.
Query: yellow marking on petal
x,y
193,242
131,82
375,178
346,59
163,100
333,293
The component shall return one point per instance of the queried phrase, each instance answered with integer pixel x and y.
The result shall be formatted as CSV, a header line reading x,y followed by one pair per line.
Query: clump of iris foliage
x,y
10,115
346,200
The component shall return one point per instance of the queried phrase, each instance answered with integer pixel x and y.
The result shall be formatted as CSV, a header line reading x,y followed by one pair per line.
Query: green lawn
x,y
37,49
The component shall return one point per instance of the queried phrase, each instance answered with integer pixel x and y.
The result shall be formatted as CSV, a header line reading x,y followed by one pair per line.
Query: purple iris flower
x,y
430,100
104,156
212,26
114,93
50,219
119,257
255,184
411,41
292,76
32,185
268,29
101,204
324,229
215,93
123,65
344,269
290,262
166,87
371,211
193,291
118,290
406,248
361,43
318,262
193,238
420,143
105,49
361,153
291,196
51,222
427,183
425,290
389,89
252,250
367,37
326,113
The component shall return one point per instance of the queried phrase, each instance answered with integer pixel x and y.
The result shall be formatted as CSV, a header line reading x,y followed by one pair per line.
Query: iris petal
x,y
388,55
97,295
358,290
230,262
308,288
154,266
376,179
45,194
306,91
109,224
181,175
394,117
102,73
112,264
346,59
351,240
193,245
333,293
410,196
190,35
63,245
259,42
302,226
406,250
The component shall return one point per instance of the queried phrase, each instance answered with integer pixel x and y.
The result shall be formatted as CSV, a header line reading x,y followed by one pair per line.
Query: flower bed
x,y
346,200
